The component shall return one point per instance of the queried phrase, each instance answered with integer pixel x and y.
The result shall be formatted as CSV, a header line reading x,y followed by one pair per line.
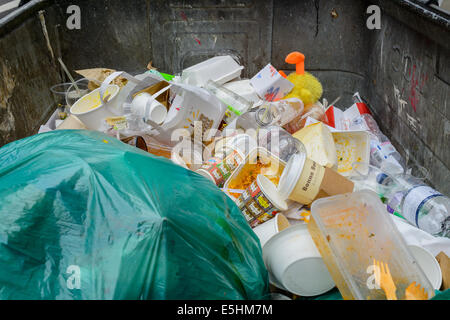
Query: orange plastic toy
x,y
306,87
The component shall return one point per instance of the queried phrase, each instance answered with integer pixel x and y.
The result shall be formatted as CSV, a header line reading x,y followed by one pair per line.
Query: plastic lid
x,y
291,174
271,192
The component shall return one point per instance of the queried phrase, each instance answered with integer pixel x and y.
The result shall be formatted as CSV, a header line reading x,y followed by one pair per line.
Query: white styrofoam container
x,y
244,89
220,69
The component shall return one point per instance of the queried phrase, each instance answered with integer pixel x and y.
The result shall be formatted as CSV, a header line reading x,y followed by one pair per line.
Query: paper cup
x,y
268,229
429,265
261,201
90,110
219,168
294,263
301,179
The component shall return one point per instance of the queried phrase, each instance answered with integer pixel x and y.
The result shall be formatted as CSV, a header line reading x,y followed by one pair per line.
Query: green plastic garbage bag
x,y
85,216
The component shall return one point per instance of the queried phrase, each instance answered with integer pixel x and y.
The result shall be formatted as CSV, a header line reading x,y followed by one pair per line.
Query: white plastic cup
x,y
429,265
268,229
145,105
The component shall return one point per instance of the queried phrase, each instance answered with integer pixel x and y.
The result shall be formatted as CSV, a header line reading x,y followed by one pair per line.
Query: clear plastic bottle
x,y
422,206
382,153
271,113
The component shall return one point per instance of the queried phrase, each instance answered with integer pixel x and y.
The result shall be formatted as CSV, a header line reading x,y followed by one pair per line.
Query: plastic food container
x,y
351,147
220,69
350,231
243,88
260,202
243,142
273,171
236,104
294,263
268,229
90,109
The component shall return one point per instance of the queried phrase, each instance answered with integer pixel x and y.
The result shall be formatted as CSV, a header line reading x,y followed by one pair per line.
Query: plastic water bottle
x,y
423,207
382,153
271,113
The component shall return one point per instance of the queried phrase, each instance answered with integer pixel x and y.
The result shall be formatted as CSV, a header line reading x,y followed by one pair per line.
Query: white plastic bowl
x,y
428,264
294,263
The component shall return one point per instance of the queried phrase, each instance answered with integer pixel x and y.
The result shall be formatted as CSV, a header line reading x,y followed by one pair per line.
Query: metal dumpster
x,y
401,69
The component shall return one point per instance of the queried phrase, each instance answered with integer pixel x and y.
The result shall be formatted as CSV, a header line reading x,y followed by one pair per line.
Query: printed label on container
x,y
308,185
221,169
414,201
384,152
255,206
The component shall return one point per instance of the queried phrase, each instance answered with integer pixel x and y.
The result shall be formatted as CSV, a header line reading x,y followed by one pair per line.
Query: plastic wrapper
x,y
85,216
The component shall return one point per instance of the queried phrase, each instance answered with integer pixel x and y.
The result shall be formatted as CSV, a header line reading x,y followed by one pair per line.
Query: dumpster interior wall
x,y
402,70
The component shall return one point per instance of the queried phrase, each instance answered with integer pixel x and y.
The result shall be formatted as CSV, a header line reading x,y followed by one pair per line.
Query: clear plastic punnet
x,y
353,232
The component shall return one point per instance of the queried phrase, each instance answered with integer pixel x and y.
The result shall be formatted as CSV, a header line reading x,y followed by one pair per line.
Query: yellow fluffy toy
x,y
306,87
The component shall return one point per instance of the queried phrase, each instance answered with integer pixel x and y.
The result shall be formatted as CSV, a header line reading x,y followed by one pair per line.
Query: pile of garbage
x,y
331,201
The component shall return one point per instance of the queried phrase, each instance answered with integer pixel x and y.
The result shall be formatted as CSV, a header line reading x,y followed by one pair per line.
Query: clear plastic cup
x,y
72,94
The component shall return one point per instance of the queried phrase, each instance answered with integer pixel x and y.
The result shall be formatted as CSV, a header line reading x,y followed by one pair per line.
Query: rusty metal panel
x,y
114,34
27,71
187,32
410,95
